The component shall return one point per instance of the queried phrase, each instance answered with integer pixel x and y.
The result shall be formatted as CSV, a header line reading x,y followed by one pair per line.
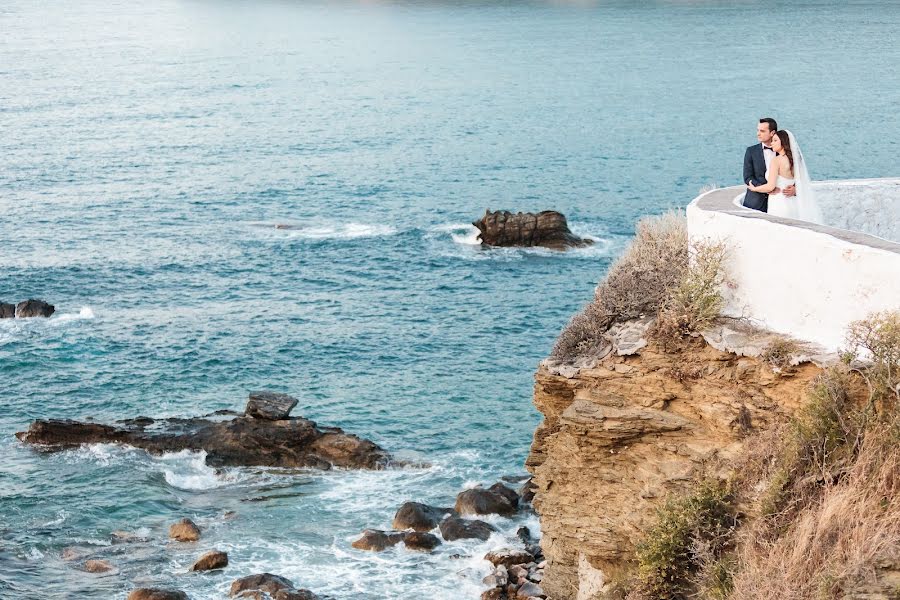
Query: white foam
x,y
328,231
86,312
187,470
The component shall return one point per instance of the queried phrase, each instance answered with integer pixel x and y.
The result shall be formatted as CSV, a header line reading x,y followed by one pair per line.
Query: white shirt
x,y
768,155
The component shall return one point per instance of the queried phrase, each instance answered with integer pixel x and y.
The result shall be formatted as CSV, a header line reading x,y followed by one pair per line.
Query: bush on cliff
x,y
637,284
877,339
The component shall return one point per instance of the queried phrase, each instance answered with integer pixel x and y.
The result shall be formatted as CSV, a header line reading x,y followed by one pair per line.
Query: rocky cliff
x,y
638,422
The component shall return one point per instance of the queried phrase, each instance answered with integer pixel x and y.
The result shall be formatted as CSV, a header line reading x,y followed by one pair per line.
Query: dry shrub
x,y
779,352
637,284
697,299
877,338
834,543
688,531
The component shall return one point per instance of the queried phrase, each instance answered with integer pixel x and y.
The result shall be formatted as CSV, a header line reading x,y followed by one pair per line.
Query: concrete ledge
x,y
801,279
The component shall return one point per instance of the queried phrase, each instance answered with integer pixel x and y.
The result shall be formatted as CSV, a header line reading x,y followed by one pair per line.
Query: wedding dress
x,y
803,205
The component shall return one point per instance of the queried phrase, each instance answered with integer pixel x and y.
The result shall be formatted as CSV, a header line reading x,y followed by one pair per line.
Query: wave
x,y
86,312
331,231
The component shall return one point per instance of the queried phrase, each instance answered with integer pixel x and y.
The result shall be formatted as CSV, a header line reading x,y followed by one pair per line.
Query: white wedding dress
x,y
803,205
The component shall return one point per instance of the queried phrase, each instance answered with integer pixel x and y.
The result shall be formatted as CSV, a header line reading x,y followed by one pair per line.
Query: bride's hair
x,y
785,140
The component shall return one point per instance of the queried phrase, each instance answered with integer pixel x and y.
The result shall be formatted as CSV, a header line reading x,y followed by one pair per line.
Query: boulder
x,y
156,594
508,557
420,517
421,541
295,595
184,530
510,495
529,590
254,595
33,308
377,540
479,501
263,582
7,311
493,594
526,492
97,566
241,441
455,528
547,228
271,406
214,559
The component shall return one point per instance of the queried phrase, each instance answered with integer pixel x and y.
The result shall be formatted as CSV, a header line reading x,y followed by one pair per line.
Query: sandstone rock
x,y
455,528
420,517
270,405
184,530
33,308
242,441
421,541
7,311
156,594
529,590
377,540
526,494
479,501
214,559
97,566
508,557
547,228
263,582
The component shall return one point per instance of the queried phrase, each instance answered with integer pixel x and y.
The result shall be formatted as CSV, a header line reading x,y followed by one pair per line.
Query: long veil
x,y
807,207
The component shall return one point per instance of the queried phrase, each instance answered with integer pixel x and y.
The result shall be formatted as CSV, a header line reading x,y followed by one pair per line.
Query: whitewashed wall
x,y
808,281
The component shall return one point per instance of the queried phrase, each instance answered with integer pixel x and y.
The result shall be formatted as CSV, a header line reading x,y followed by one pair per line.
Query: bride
x,y
789,168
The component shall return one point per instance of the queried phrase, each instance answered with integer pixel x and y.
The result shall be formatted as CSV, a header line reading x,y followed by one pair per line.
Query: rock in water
x,y
156,594
420,517
479,501
454,528
264,582
508,557
547,228
421,541
377,540
97,566
214,559
242,441
184,530
7,311
33,308
270,405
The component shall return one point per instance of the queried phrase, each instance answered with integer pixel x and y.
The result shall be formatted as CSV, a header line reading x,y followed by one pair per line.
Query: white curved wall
x,y
868,205
804,280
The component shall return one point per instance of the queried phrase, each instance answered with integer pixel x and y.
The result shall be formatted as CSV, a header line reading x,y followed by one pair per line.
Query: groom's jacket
x,y
755,172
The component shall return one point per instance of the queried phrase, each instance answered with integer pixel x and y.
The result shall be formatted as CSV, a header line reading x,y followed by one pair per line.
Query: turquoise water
x,y
149,150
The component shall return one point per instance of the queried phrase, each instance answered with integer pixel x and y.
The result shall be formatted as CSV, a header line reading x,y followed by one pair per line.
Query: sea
x,y
222,196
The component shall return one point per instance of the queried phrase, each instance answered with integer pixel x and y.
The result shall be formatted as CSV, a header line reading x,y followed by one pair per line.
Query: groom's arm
x,y
748,168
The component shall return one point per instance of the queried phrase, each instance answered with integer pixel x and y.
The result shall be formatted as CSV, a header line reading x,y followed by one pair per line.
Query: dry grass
x,y
779,353
637,284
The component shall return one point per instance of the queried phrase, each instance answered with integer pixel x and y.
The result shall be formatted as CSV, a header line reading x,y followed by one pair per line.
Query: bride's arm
x,y
771,179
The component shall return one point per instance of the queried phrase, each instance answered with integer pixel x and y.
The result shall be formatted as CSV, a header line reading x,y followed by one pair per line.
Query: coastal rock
x,y
479,501
529,590
272,406
156,594
33,308
184,530
510,495
241,441
7,311
620,436
508,557
420,517
214,559
262,582
455,528
377,540
421,541
294,595
493,594
547,228
97,566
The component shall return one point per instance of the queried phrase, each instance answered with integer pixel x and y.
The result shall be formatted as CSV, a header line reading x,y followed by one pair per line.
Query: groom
x,y
757,159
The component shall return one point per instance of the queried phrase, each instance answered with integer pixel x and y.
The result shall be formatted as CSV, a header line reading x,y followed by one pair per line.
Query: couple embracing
x,y
776,175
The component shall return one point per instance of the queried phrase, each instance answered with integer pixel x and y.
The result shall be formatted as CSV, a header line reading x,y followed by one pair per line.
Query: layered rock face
x,y
619,435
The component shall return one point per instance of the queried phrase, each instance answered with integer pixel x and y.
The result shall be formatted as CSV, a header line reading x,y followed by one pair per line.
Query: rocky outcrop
x,y
547,228
239,441
622,432
26,309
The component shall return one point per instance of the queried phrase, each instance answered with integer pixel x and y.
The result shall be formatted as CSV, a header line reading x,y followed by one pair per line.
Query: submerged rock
x,y
241,441
34,308
455,528
214,559
420,517
97,566
547,228
156,594
184,530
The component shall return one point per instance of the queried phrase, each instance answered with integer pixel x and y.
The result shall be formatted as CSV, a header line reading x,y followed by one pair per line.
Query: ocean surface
x,y
148,151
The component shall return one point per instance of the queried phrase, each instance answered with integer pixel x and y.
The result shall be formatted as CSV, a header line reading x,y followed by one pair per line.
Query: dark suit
x,y
755,173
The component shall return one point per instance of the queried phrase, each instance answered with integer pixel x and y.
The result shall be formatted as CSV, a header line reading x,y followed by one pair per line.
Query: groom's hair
x,y
773,126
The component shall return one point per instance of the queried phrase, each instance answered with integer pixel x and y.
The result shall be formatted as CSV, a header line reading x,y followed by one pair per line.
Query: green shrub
x,y
696,301
877,338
